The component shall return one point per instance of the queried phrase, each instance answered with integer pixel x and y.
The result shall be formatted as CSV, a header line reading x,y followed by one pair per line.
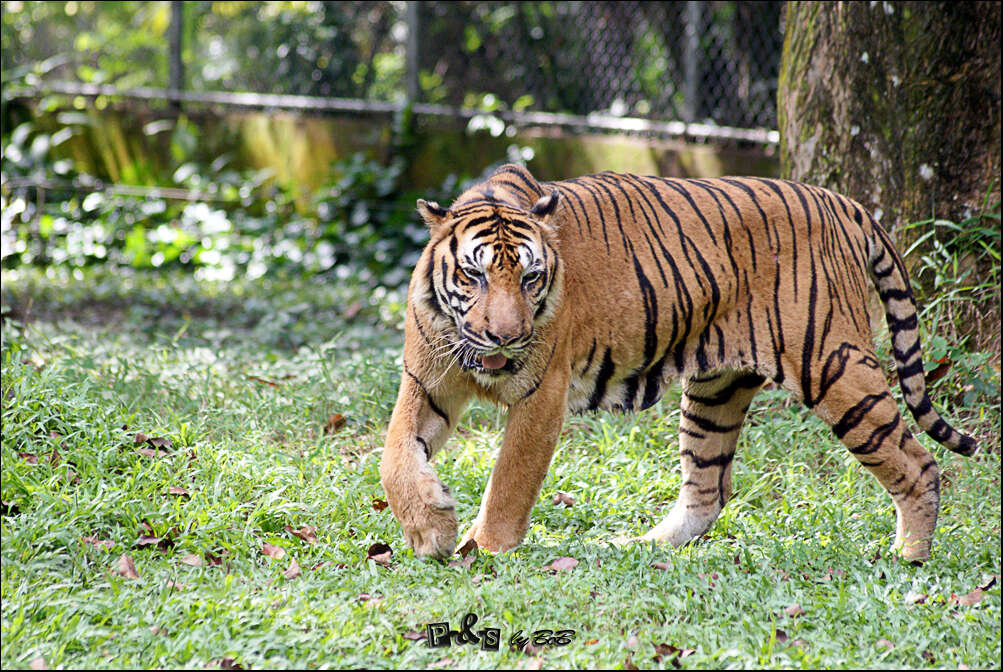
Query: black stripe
x,y
602,379
855,415
710,425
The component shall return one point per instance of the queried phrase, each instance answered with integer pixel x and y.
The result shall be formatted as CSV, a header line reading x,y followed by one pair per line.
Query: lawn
x,y
190,479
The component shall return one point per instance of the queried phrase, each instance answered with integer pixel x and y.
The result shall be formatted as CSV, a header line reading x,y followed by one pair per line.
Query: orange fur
x,y
594,292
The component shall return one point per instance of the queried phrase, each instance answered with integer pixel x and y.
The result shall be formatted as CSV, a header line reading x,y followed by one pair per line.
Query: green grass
x,y
98,358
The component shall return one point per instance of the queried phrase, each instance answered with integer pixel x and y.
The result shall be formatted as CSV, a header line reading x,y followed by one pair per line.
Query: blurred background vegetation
x,y
234,141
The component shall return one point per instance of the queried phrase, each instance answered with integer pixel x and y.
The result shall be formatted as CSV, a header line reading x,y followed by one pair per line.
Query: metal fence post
x,y
691,71
177,68
413,91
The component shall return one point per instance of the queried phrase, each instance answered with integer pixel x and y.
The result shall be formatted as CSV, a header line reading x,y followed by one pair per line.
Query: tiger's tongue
x,y
494,361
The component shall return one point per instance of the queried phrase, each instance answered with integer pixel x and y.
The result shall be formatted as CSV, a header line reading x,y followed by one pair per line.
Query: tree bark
x,y
895,104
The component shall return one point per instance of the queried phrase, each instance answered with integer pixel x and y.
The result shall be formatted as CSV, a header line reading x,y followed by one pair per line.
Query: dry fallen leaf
x,y
563,498
151,452
659,564
306,533
884,643
178,586
140,438
968,599
414,636
379,504
380,553
272,551
126,567
177,490
157,630
781,636
30,458
334,423
927,656
562,564
97,543
794,610
264,381
915,598
147,540
229,664
671,653
632,642
628,664
192,560
38,664
293,571
469,548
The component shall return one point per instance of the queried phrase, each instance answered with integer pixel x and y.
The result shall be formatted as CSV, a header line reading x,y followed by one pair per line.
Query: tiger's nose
x,y
503,338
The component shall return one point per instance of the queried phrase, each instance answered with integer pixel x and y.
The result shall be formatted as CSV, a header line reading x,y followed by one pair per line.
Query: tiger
x,y
595,292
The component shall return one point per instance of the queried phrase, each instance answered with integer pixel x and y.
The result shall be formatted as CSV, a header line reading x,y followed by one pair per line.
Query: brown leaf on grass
x,y
147,540
54,458
989,581
215,559
563,498
192,560
38,664
661,564
943,366
157,630
915,598
968,599
533,664
464,562
139,438
264,381
380,553
884,643
151,452
306,533
176,585
799,643
97,543
379,504
178,490
414,636
229,664
530,649
927,656
632,642
711,578
160,442
671,653
781,636
334,423
443,662
272,551
293,571
562,565
9,508
628,664
30,458
126,567
469,548
794,610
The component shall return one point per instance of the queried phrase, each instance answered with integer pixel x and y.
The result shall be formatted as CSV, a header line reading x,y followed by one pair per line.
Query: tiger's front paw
x,y
494,538
427,512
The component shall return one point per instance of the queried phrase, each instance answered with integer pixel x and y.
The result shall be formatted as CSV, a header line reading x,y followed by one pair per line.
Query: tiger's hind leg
x,y
864,416
713,409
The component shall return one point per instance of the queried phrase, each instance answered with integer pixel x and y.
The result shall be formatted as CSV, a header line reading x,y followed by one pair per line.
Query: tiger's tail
x,y
892,282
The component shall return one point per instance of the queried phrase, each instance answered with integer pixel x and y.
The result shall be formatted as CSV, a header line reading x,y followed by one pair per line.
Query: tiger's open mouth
x,y
493,364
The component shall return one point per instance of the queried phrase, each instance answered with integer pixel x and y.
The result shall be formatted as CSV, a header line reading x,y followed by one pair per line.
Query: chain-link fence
x,y
705,62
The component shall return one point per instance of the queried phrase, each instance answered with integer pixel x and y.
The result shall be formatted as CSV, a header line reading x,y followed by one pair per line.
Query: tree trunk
x,y
895,104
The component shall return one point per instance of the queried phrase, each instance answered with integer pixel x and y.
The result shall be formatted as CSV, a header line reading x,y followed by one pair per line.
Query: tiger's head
x,y
493,276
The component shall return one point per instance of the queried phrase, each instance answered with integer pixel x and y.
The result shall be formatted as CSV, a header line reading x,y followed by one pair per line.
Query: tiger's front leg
x,y
419,500
531,433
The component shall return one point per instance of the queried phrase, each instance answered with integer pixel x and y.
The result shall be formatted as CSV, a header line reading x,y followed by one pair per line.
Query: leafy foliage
x,y
219,221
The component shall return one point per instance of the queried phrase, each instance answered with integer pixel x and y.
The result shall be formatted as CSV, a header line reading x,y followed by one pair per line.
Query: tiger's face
x,y
494,270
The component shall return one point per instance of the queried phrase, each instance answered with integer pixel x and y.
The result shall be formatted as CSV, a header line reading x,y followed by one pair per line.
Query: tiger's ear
x,y
433,213
545,207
